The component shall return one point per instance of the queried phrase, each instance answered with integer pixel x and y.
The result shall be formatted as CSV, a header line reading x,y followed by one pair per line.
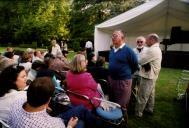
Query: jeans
x,y
83,114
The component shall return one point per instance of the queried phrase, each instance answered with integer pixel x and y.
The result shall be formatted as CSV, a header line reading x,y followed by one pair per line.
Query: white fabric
x,y
116,49
7,100
56,50
138,53
19,118
26,65
157,16
16,58
36,58
32,74
89,44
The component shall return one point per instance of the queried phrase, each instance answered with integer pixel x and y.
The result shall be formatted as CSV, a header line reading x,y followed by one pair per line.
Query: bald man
x,y
150,60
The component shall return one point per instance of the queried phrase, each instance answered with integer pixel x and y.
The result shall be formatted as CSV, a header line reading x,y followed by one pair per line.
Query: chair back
x,y
3,124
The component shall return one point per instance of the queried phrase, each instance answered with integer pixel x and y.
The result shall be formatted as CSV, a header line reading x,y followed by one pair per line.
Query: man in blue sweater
x,y
122,64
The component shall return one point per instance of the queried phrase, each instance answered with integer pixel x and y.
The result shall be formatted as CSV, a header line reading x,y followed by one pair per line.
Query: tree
x,y
27,21
85,14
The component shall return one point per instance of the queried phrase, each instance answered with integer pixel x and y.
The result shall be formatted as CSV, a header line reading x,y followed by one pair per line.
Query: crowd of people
x,y
29,80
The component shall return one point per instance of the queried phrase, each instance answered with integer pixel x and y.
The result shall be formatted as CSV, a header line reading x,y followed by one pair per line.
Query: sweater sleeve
x,y
133,61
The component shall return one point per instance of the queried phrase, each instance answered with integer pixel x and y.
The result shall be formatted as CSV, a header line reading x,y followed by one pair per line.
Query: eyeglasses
x,y
139,42
114,36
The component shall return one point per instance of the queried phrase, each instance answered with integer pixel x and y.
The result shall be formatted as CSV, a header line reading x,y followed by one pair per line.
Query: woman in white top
x,y
12,84
26,61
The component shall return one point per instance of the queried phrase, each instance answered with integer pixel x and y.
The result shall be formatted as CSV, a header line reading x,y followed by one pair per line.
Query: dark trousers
x,y
83,114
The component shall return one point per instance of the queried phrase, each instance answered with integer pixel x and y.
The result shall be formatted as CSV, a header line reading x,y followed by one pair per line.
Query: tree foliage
x,y
85,14
33,20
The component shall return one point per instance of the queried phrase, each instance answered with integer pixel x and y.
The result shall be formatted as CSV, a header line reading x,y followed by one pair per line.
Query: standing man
x,y
89,48
55,50
150,60
122,64
140,42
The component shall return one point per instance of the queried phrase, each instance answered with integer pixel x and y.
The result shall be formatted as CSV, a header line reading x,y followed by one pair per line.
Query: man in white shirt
x,y
89,48
55,48
150,60
140,47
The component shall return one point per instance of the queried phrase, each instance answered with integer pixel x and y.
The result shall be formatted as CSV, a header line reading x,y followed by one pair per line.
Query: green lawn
x,y
168,113
3,49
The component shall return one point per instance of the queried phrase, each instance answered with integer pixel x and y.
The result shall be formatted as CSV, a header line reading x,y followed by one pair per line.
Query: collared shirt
x,y
7,100
56,50
138,53
19,118
120,47
89,44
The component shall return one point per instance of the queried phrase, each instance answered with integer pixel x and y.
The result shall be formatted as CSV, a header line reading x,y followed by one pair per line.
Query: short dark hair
x,y
40,91
100,61
8,78
37,64
9,54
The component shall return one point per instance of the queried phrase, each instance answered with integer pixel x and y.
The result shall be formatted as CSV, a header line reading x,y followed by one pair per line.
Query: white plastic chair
x,y
182,84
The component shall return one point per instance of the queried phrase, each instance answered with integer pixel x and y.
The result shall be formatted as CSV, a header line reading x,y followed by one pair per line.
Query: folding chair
x,y
117,121
182,83
3,124
105,87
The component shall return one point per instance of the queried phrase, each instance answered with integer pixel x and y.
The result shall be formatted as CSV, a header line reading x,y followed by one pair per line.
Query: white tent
x,y
157,16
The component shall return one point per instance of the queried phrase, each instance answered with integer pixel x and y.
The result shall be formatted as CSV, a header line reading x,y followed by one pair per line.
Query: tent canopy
x,y
157,16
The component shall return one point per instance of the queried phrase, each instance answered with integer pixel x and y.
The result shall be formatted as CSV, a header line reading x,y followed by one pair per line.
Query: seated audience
x,y
13,82
32,113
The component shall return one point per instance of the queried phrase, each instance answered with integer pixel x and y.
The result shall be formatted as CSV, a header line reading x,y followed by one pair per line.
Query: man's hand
x,y
72,122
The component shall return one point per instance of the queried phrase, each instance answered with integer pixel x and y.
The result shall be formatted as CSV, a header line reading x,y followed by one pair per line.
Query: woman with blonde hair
x,y
82,82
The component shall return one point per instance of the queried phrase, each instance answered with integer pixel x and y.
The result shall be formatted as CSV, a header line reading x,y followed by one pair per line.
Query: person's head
x,y
78,64
152,39
26,57
53,42
100,61
37,65
140,41
48,59
12,77
91,57
30,51
9,55
118,38
37,53
5,62
40,91
9,49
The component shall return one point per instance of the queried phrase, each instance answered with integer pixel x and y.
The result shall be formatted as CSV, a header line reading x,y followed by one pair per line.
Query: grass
x,y
3,49
168,113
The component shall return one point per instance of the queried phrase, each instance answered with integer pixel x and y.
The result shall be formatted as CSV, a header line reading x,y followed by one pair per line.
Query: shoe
x,y
148,113
138,115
